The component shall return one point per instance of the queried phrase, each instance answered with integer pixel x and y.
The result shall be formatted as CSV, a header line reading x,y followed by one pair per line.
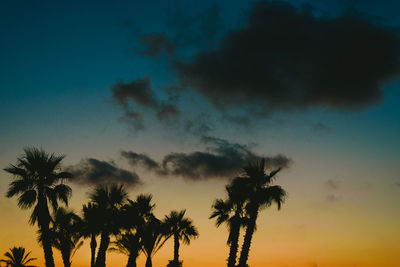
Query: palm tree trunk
x,y
234,241
148,262
93,245
65,253
101,254
131,260
43,222
244,255
176,249
46,243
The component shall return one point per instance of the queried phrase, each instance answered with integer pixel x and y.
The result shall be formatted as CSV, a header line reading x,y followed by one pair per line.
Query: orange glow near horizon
x,y
301,234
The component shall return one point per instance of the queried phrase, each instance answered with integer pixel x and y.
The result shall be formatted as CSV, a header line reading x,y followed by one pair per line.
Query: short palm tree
x,y
91,227
66,236
180,228
17,257
260,194
153,238
129,243
134,216
39,181
109,199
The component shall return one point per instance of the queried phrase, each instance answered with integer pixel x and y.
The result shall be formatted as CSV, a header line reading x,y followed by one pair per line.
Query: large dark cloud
x,y
284,58
221,159
92,171
140,93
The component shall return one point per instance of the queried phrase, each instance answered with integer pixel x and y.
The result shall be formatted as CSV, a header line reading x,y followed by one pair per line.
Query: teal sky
x,y
60,62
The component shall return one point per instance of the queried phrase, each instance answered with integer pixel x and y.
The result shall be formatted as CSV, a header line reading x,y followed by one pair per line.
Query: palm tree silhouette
x,y
17,257
182,229
153,238
260,194
91,227
222,211
38,181
134,215
109,200
129,244
65,234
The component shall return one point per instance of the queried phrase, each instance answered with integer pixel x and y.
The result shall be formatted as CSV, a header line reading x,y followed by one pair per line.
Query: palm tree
x,y
182,229
39,181
260,194
134,215
144,207
109,200
129,244
16,257
65,234
153,238
222,211
91,227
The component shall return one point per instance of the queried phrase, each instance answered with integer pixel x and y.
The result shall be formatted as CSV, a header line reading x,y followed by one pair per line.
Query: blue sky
x,y
60,60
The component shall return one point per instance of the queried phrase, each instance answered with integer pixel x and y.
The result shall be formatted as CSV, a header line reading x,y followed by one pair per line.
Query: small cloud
x,y
92,171
139,93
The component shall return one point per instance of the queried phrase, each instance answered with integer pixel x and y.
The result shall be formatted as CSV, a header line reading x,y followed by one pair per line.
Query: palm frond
x,y
27,199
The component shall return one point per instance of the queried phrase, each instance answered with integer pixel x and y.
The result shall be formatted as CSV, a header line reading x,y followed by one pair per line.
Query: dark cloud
x,y
221,159
284,58
140,159
140,93
138,90
92,171
156,43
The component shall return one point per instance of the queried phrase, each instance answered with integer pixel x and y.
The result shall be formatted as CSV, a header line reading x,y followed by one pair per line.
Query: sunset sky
x,y
173,97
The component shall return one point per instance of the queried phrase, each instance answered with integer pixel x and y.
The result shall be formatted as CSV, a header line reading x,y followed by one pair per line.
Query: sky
x,y
172,98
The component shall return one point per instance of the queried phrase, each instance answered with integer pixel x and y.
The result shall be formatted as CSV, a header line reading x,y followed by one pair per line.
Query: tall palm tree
x,y
38,181
231,212
109,200
260,194
17,257
182,229
153,238
66,236
91,227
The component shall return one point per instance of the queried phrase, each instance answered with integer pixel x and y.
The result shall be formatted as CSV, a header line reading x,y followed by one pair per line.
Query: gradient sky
x,y
63,64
